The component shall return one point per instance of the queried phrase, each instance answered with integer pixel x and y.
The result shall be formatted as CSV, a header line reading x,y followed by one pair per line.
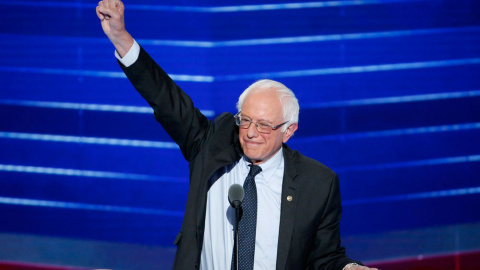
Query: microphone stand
x,y
238,215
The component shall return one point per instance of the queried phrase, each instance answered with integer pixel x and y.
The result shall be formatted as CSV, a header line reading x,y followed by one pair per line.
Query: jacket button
x,y
196,265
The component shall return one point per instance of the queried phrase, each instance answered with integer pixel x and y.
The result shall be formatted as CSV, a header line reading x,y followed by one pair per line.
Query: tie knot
x,y
254,170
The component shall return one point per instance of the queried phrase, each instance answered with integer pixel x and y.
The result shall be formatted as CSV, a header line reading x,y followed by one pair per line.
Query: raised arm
x,y
173,108
111,15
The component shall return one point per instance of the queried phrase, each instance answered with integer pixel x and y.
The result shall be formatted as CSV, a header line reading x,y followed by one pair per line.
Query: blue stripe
x,y
87,106
127,176
354,69
171,145
78,106
389,133
254,42
178,43
87,173
96,73
90,207
388,100
304,5
416,196
413,163
211,113
57,71
48,4
88,140
310,39
220,9
256,76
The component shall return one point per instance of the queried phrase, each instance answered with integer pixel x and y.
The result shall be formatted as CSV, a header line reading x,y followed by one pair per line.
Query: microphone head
x,y
235,195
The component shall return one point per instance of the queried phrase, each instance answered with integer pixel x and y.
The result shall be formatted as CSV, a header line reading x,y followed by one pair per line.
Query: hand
x,y
111,15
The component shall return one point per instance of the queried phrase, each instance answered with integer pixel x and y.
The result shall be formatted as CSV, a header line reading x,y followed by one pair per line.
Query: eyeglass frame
x,y
238,119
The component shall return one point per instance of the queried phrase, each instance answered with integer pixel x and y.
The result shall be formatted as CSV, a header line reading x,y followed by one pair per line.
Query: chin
x,y
252,157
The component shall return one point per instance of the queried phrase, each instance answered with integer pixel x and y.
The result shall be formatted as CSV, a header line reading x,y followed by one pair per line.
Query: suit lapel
x,y
288,207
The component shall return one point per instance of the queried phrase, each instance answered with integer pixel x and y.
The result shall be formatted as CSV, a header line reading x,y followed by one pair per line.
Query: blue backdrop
x,y
389,94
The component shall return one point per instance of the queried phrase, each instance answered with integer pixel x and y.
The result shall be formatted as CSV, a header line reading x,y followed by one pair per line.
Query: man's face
x,y
263,105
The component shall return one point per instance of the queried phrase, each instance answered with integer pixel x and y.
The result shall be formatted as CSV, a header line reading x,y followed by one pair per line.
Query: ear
x,y
289,132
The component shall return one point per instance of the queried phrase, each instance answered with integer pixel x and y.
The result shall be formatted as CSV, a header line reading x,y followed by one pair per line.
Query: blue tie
x,y
247,226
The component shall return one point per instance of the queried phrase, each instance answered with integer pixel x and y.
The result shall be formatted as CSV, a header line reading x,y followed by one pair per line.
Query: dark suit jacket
x,y
309,236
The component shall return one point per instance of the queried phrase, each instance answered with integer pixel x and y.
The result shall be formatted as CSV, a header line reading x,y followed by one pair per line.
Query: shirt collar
x,y
268,167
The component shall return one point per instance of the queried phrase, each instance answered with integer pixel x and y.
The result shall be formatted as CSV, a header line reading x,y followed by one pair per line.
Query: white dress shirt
x,y
220,216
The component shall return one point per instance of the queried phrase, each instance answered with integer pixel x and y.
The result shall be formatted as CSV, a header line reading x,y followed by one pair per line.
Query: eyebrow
x,y
261,120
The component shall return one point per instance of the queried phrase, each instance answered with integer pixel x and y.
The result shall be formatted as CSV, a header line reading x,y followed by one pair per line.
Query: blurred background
x,y
389,94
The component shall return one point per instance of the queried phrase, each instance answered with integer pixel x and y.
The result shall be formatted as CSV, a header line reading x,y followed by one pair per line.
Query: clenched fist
x,y
111,15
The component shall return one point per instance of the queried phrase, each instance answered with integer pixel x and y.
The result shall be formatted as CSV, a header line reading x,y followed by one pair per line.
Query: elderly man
x,y
292,208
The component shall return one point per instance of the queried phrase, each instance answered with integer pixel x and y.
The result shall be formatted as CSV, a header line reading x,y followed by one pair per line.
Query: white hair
x,y
287,98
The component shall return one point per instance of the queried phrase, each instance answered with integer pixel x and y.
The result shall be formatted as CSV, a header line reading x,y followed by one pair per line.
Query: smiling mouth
x,y
252,143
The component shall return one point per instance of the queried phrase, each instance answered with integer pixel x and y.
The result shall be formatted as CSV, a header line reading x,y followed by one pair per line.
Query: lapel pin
x,y
289,198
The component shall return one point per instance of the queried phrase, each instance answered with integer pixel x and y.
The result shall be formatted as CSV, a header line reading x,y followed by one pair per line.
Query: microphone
x,y
235,195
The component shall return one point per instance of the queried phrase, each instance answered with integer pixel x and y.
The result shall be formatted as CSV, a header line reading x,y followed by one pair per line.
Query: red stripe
x,y
458,261
29,266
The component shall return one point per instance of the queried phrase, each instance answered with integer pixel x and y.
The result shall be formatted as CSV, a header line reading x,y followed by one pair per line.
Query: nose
x,y
252,131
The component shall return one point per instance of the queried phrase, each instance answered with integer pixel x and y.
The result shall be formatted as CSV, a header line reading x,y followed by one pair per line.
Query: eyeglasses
x,y
262,126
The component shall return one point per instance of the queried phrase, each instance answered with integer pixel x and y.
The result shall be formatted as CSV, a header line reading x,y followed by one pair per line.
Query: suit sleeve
x,y
173,108
327,252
